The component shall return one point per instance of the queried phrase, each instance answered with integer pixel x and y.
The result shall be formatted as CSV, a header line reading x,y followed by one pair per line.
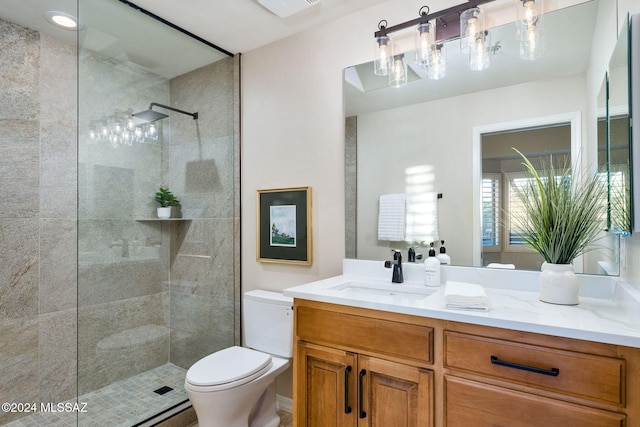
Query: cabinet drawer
x,y
470,403
368,334
582,375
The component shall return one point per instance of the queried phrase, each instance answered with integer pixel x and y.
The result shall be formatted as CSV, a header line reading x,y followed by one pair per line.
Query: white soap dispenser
x,y
432,269
442,256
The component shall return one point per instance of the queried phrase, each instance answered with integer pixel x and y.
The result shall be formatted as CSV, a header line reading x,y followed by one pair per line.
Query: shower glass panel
x,y
154,296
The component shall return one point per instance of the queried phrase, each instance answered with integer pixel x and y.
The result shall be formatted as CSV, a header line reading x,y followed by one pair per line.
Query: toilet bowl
x,y
234,387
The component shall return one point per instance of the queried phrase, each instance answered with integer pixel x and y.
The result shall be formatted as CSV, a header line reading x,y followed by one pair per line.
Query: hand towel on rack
x,y
422,217
464,296
392,217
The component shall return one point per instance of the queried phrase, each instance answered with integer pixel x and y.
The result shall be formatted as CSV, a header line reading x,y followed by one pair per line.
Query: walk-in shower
x,y
101,303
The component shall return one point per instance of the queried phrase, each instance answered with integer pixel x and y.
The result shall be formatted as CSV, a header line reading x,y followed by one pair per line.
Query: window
x,y
491,186
515,181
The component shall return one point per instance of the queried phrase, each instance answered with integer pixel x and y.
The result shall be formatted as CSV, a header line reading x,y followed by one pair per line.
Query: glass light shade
x,y
398,74
532,45
471,26
437,68
480,52
530,14
424,41
383,55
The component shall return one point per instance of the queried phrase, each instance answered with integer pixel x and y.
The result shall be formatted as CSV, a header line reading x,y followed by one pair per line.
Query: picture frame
x,y
284,225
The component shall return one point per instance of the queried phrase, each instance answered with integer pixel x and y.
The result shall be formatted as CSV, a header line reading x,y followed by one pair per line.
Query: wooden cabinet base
x,y
358,367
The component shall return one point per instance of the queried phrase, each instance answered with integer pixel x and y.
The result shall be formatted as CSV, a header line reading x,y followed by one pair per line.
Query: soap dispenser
x,y
442,256
432,268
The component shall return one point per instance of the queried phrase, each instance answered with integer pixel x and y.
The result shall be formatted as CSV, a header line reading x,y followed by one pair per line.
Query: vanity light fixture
x,y
398,74
474,39
530,28
432,30
437,69
383,52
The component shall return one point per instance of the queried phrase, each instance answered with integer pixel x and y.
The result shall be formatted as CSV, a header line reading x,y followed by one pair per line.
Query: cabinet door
x,y
325,387
470,403
393,394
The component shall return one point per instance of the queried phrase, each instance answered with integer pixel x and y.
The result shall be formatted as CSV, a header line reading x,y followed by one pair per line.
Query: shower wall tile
x,y
204,264
58,265
199,326
19,167
108,271
19,71
58,172
18,363
58,68
350,179
57,364
58,122
18,268
202,174
208,90
121,338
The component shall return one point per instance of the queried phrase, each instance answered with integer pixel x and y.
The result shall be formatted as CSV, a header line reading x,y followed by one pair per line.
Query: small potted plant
x,y
166,199
562,214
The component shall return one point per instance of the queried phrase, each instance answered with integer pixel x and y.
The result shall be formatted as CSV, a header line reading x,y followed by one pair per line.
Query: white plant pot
x,y
558,284
164,213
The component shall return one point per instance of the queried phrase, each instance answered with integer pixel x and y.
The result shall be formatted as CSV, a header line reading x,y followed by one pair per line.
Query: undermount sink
x,y
358,289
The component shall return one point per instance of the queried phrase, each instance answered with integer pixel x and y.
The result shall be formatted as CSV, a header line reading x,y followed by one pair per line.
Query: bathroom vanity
x,y
371,353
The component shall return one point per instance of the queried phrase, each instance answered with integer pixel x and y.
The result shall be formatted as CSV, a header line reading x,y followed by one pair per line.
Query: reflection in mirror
x,y
429,125
502,171
618,137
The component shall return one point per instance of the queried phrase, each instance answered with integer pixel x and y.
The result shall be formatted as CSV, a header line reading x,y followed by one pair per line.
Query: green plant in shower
x,y
166,198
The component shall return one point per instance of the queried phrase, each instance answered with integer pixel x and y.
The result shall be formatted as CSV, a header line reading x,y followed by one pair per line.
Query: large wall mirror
x,y
449,136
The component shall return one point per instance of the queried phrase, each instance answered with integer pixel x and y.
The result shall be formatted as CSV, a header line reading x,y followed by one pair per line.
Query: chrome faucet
x,y
396,275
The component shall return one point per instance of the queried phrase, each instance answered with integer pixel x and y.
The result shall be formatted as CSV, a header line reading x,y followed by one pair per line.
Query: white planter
x,y
164,212
558,284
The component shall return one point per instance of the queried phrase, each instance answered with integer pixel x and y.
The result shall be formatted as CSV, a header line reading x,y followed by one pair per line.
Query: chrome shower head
x,y
150,115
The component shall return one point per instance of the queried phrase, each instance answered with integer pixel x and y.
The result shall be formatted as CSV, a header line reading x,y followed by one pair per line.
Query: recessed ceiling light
x,y
63,20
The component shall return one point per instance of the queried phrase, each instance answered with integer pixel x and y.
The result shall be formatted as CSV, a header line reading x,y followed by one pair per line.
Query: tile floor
x,y
125,403
121,404
286,420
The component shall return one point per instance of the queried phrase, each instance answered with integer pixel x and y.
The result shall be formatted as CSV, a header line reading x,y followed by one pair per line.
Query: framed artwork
x,y
284,225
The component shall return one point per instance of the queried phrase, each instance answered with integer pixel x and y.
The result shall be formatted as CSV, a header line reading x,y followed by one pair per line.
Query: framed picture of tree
x,y
284,225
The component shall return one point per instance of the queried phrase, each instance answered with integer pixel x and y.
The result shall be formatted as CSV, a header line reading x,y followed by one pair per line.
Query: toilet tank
x,y
268,322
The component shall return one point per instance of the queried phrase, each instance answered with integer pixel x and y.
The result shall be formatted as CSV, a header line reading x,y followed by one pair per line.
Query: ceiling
x,y
242,25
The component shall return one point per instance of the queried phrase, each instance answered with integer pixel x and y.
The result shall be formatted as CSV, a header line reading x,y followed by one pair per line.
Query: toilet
x,y
235,387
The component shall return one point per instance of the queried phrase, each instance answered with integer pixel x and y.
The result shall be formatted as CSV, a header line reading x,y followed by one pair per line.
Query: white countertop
x,y
609,309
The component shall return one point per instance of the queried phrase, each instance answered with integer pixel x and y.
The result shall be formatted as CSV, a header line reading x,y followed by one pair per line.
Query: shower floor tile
x,y
121,404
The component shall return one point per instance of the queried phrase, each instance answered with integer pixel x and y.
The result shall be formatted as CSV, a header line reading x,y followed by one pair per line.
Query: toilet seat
x,y
228,368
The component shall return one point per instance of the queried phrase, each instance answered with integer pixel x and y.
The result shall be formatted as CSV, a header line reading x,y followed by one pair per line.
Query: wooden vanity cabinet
x,y
360,367
347,373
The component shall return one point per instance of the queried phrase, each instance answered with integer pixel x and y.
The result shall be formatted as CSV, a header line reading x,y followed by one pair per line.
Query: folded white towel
x,y
392,217
465,296
502,266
